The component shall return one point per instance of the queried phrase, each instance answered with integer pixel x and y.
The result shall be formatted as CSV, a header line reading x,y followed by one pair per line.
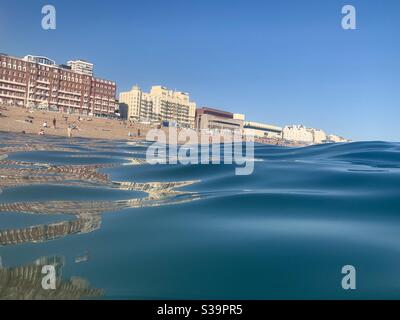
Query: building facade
x,y
38,82
239,116
319,136
297,133
81,66
159,105
336,139
262,130
218,120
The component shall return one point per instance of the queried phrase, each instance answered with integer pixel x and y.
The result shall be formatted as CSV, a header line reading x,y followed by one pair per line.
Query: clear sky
x,y
280,62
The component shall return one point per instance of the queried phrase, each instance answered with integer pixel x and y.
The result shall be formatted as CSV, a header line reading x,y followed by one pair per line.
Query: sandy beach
x,y
22,120
14,119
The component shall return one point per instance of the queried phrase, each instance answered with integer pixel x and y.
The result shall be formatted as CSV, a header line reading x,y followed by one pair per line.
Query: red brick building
x,y
38,82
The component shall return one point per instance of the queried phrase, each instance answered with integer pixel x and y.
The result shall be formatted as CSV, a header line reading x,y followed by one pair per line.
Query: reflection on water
x,y
14,173
37,164
284,232
25,282
49,231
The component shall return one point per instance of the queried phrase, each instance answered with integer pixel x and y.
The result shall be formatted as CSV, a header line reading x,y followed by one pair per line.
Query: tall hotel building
x,y
35,81
159,105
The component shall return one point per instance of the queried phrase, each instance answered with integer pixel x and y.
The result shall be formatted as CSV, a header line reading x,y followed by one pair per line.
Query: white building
x,y
239,116
262,130
336,139
81,66
39,60
319,136
297,133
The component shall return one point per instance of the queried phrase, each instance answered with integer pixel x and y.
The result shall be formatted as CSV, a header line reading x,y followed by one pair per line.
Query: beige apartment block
x,y
160,104
140,105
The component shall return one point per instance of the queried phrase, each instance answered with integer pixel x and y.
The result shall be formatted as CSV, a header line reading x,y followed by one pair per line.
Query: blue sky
x,y
279,62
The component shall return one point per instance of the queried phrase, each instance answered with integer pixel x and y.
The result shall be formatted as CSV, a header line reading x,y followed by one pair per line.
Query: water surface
x,y
116,227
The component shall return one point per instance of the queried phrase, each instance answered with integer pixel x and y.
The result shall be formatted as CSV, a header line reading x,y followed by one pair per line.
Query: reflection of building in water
x,y
25,282
49,232
65,175
87,214
82,258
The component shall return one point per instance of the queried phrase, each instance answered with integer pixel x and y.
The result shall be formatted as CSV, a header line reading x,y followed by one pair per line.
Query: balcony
x,y
11,89
13,82
11,96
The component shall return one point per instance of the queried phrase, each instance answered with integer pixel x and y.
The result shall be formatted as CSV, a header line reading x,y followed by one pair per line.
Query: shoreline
x,y
22,120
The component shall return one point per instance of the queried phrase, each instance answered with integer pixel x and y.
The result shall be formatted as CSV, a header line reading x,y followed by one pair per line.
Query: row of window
x,y
55,92
64,86
12,66
10,86
13,73
65,75
15,94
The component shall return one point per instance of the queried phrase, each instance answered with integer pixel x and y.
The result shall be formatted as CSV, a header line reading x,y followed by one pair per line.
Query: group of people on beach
x,y
70,128
45,125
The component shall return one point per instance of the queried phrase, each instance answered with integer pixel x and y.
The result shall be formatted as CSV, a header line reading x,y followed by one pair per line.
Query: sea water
x,y
117,227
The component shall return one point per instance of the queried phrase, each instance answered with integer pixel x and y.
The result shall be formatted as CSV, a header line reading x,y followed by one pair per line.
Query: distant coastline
x,y
22,120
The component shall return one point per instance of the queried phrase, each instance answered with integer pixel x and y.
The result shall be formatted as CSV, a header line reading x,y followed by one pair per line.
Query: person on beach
x,y
54,123
69,130
45,124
